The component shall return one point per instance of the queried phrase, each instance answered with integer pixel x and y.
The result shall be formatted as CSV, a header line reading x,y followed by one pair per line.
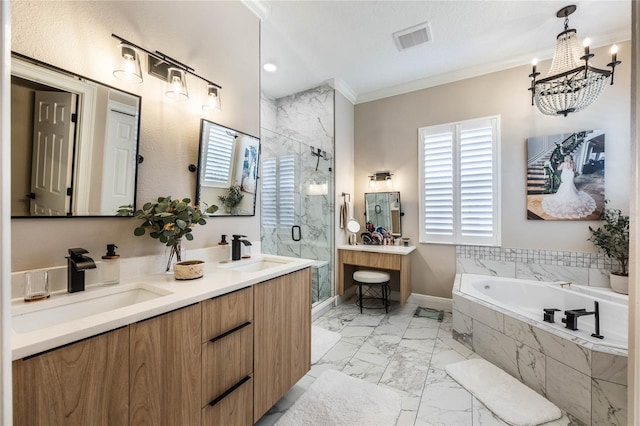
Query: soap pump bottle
x,y
111,266
226,249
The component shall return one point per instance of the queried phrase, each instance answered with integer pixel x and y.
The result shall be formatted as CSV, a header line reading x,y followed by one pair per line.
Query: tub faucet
x,y
571,319
77,263
236,248
549,313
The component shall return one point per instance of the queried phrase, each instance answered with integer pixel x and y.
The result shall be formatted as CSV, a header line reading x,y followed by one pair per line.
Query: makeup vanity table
x,y
389,258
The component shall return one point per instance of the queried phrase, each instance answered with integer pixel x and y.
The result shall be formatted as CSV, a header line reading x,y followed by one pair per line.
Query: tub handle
x,y
549,313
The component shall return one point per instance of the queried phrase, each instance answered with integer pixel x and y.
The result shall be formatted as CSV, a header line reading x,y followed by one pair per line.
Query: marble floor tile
x,y
364,370
378,349
482,416
407,370
443,354
444,402
336,359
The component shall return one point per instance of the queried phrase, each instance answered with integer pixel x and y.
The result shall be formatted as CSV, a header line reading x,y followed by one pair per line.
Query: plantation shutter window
x,y
278,191
459,180
218,156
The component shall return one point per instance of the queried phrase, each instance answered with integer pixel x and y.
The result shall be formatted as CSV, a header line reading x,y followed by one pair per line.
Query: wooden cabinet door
x,y
165,369
282,337
84,383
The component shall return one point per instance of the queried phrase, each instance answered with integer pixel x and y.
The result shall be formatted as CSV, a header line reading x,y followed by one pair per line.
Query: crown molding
x,y
260,8
343,88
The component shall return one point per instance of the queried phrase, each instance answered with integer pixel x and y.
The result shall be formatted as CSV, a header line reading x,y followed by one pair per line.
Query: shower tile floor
x,y
404,353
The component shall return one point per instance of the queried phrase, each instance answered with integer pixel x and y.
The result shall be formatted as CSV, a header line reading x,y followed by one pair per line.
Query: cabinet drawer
x,y
374,260
225,362
226,312
235,409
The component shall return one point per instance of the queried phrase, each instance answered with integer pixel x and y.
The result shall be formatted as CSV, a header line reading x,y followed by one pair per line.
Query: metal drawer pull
x,y
233,330
229,391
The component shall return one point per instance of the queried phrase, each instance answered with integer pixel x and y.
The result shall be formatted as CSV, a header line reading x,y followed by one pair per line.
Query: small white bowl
x,y
188,270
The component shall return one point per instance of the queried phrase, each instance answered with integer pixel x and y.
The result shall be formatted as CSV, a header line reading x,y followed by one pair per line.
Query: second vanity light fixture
x,y
381,176
165,68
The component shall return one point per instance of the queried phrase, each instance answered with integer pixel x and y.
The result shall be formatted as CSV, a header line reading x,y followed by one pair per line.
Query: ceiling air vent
x,y
413,36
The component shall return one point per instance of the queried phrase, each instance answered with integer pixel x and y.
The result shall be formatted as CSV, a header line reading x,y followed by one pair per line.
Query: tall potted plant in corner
x,y
613,239
168,220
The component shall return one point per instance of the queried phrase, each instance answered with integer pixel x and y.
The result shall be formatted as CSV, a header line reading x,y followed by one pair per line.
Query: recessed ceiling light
x,y
270,67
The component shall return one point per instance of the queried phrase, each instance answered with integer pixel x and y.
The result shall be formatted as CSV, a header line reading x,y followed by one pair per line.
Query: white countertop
x,y
402,250
217,281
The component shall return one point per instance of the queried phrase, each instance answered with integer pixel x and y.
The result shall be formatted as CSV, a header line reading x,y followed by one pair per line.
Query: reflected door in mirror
x,y
53,131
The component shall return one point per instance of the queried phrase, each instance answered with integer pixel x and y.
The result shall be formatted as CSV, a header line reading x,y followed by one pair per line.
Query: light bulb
x,y
586,42
614,49
534,61
372,182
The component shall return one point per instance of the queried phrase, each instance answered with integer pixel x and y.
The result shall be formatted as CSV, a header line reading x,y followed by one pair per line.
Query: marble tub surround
x,y
543,265
218,280
584,379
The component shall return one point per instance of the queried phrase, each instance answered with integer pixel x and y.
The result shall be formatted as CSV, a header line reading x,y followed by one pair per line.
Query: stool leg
x,y
360,290
385,289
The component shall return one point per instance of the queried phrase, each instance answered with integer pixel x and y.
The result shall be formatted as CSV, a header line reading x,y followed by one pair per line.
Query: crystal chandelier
x,y
572,84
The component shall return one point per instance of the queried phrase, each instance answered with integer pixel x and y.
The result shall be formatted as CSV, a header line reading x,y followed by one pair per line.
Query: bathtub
x,y
501,320
528,298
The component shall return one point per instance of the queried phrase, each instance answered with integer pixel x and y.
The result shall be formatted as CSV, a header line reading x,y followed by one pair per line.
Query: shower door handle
x,y
293,233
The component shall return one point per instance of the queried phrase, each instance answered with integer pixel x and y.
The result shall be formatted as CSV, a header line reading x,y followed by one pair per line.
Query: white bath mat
x,y
321,341
336,399
505,396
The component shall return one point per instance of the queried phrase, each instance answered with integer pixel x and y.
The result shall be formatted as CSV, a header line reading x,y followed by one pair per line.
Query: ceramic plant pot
x,y
619,283
188,270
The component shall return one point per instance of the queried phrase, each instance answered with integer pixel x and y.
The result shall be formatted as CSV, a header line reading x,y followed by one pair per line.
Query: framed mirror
x,y
74,143
383,209
227,170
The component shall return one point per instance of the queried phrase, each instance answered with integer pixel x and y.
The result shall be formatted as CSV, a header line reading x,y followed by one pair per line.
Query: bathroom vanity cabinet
x,y
282,337
221,361
227,359
165,369
83,383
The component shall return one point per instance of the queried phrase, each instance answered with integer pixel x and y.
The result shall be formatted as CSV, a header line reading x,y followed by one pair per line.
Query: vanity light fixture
x,y
572,84
128,64
381,176
176,87
165,68
212,99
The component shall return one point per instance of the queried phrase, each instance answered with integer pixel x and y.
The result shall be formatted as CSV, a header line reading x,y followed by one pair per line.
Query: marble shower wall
x,y
290,127
532,264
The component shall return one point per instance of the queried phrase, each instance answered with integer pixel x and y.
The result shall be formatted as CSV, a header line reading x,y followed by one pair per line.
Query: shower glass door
x,y
297,207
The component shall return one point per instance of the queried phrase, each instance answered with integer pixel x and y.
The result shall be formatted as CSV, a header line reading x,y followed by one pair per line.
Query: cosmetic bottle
x,y
111,266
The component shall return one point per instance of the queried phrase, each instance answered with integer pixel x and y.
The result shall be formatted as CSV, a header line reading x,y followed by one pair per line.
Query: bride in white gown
x,y
568,202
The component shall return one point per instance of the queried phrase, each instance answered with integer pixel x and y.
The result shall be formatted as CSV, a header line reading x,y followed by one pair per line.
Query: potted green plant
x,y
232,199
613,239
168,220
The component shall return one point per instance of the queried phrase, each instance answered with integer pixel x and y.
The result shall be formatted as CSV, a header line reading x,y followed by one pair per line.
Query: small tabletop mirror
x,y
383,209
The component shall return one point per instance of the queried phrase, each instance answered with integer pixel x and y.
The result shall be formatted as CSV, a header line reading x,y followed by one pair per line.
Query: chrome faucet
x,y
236,248
77,263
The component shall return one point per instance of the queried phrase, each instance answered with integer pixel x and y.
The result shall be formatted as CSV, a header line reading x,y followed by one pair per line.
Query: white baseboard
x,y
321,308
433,302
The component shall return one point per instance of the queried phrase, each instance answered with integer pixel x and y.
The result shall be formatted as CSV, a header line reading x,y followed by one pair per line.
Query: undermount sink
x,y
256,265
33,316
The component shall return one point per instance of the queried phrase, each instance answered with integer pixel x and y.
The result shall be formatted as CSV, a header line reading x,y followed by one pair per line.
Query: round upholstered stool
x,y
373,279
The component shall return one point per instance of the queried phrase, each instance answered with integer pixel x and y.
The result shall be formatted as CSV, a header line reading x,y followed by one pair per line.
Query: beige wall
x,y
386,139
219,39
343,163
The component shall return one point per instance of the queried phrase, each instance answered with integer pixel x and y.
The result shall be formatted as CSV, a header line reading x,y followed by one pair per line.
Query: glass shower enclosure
x,y
296,206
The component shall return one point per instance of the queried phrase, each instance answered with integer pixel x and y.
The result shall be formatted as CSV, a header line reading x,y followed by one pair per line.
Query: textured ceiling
x,y
351,41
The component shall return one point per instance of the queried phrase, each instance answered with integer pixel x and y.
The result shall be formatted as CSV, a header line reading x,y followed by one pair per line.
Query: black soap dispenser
x,y
110,266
